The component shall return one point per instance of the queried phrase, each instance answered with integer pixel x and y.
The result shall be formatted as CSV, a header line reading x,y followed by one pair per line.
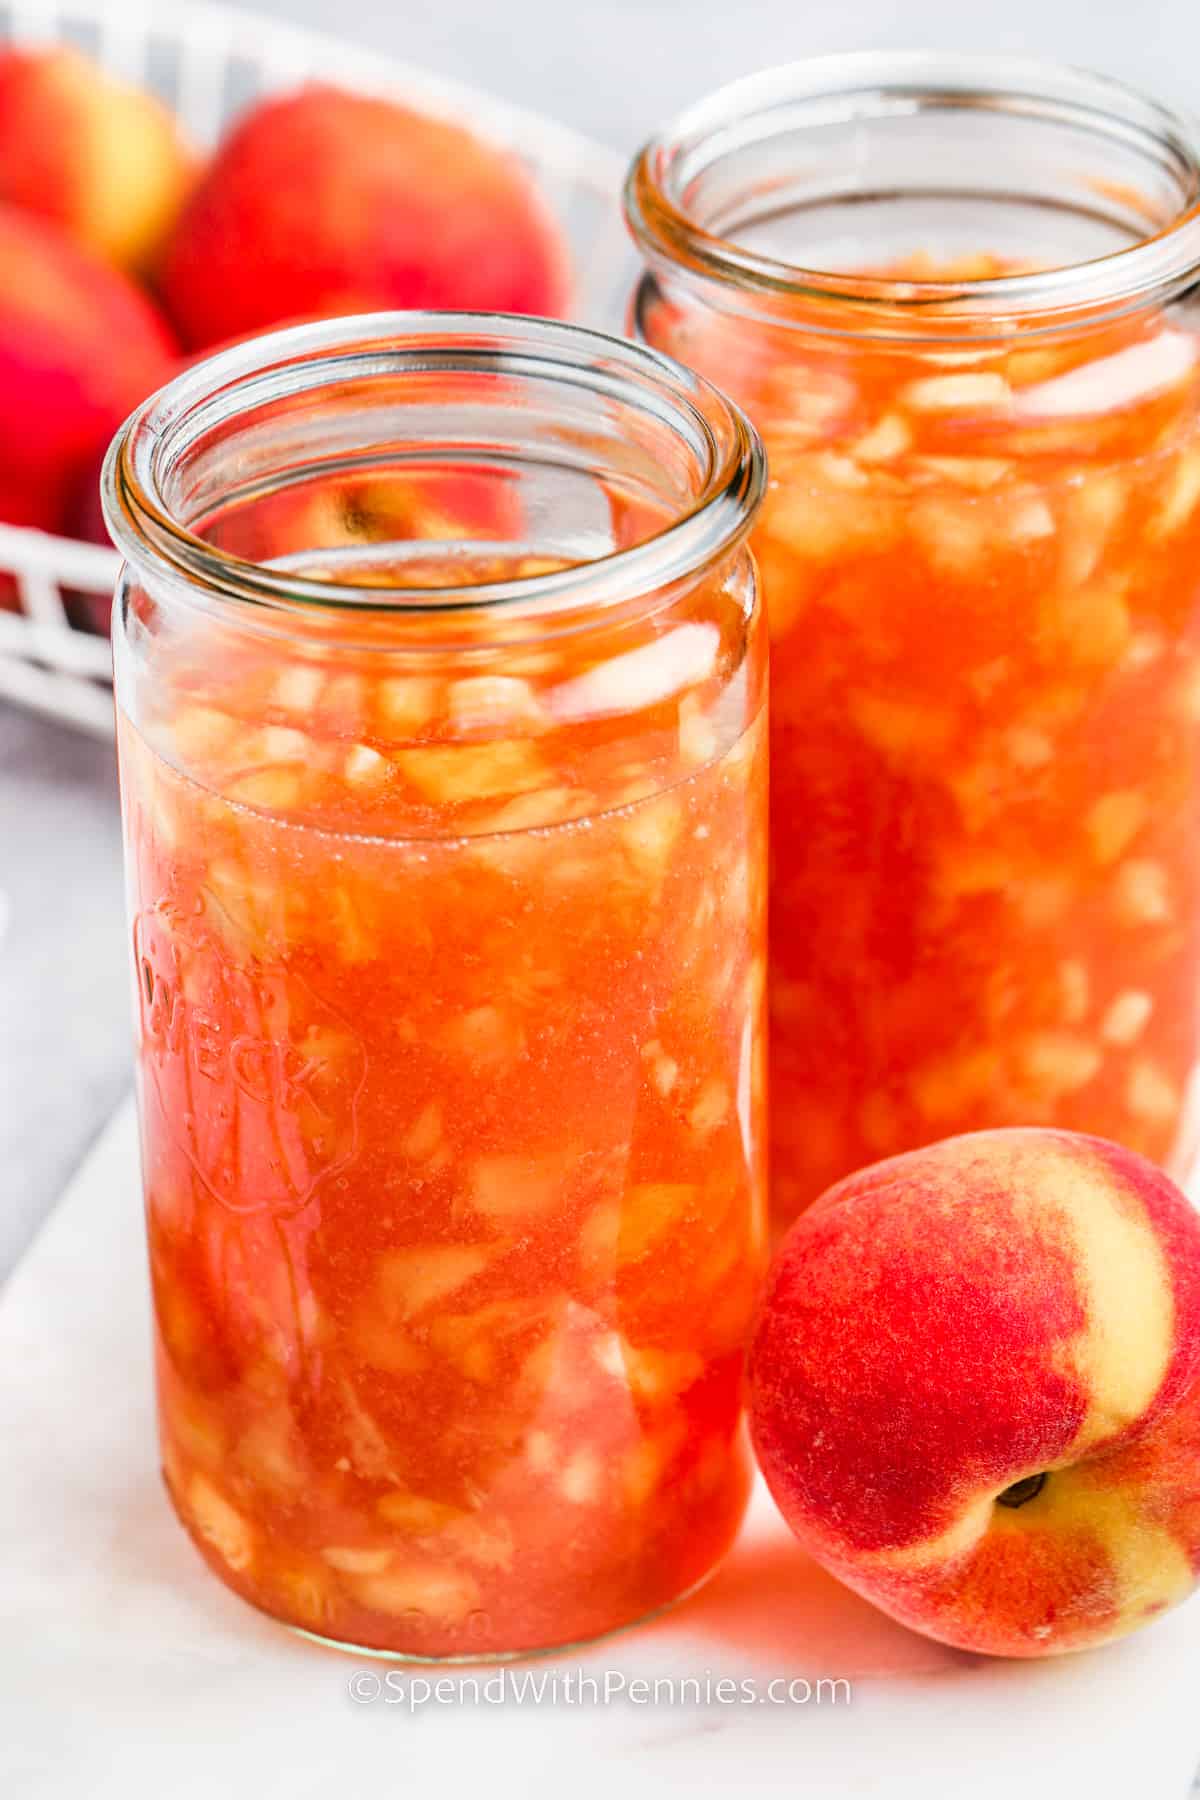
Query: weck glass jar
x,y
440,689
958,296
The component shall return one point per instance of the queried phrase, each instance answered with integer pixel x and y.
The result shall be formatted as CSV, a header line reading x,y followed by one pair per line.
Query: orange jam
x,y
450,972
982,575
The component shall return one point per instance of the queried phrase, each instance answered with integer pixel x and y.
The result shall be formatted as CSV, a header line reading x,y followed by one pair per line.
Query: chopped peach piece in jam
x,y
445,994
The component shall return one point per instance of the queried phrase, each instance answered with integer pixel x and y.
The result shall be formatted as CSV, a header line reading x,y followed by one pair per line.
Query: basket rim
x,y
263,39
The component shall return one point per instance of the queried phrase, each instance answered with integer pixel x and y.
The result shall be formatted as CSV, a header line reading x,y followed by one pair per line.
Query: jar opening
x,y
415,463
921,189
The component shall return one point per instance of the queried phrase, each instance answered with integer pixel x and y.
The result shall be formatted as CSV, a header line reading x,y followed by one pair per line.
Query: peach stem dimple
x,y
1021,1492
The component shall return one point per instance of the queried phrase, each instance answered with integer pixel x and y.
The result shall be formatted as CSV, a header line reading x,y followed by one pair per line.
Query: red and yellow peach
x,y
94,155
975,1389
80,345
322,202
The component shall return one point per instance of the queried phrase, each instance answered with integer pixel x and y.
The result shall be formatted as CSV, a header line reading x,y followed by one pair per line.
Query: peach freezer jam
x,y
981,566
448,988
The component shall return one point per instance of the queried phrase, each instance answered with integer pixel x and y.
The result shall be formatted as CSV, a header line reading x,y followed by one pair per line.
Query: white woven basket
x,y
207,62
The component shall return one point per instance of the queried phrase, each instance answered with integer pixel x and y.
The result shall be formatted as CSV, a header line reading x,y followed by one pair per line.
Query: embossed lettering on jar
x,y
440,684
958,297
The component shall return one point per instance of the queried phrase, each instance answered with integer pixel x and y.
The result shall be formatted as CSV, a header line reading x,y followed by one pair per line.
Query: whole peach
x,y
303,521
80,346
975,1389
322,202
99,157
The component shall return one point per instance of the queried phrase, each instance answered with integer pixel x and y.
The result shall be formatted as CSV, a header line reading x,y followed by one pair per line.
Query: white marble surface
x,y
613,69
128,1673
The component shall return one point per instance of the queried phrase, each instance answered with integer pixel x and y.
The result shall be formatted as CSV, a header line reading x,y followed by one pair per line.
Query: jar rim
x,y
289,361
863,85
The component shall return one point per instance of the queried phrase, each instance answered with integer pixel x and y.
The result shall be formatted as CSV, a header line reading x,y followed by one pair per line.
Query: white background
x,y
618,68
613,69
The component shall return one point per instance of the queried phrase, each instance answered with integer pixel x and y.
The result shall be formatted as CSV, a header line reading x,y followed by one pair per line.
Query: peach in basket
x,y
322,202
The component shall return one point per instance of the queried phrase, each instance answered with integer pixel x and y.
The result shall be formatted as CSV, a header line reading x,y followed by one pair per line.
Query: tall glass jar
x,y
440,687
959,298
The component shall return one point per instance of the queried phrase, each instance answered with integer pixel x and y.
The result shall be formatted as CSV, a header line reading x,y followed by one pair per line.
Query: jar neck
x,y
922,195
406,475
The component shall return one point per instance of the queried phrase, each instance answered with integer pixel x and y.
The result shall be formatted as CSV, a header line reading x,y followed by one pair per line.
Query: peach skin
x,y
384,507
321,202
80,345
975,1389
102,159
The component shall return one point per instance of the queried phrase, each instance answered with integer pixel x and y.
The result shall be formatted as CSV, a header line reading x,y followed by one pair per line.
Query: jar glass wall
x,y
440,687
959,298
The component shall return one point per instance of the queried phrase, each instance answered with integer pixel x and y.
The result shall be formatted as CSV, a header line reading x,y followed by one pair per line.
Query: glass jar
x,y
440,689
958,296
